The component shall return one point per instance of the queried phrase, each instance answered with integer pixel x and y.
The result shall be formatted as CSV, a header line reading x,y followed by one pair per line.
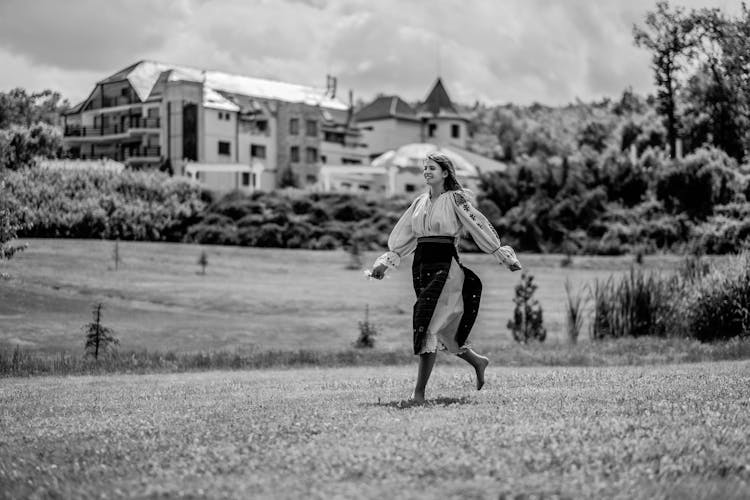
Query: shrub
x,y
270,235
367,332
718,307
527,323
574,309
99,338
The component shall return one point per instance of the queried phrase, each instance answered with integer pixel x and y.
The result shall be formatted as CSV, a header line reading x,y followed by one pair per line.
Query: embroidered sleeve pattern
x,y
390,259
483,232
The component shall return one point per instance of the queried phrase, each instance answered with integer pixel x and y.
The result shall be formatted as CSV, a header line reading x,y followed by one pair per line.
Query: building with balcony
x,y
399,136
225,130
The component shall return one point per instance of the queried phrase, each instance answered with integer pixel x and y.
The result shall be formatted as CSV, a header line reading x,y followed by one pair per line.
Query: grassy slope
x,y
250,297
629,432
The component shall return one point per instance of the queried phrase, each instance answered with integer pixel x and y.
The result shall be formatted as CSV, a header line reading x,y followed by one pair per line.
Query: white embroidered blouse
x,y
447,215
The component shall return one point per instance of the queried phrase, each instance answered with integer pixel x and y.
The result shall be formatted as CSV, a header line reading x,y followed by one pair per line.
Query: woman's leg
x,y
426,362
478,362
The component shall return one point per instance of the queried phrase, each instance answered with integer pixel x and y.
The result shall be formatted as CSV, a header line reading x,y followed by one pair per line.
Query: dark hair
x,y
445,163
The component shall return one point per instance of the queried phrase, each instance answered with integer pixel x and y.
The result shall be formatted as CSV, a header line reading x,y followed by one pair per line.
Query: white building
x,y
227,131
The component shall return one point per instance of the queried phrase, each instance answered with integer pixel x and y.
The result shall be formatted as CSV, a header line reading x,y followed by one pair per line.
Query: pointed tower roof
x,y
438,103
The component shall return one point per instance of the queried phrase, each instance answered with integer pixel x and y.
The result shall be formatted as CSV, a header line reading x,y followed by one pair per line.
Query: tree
x,y
9,227
288,179
527,323
203,261
670,37
17,107
19,146
99,338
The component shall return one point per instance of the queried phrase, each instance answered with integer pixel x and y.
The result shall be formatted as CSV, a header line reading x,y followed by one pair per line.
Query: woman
x,y
447,292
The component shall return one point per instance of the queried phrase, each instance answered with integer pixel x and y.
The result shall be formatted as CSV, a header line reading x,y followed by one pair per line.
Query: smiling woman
x,y
448,293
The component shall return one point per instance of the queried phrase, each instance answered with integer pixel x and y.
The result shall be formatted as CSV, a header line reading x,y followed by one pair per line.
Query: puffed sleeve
x,y
485,236
402,240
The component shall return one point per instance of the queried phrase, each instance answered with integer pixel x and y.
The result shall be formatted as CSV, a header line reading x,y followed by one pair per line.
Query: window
x,y
336,137
455,131
409,188
311,179
294,126
294,153
261,125
227,116
323,158
431,129
257,151
245,178
311,155
221,115
350,161
311,128
124,92
364,187
224,148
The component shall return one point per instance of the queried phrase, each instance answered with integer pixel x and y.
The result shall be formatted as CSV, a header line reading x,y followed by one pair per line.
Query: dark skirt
x,y
433,259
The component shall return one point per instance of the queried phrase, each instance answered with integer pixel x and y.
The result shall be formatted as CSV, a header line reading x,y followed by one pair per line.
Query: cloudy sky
x,y
495,51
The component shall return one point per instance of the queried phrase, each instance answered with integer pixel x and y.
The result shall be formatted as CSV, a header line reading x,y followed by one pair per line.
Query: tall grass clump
x,y
640,304
717,307
575,305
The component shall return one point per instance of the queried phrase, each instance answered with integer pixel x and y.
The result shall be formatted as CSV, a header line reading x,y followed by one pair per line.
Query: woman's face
x,y
433,174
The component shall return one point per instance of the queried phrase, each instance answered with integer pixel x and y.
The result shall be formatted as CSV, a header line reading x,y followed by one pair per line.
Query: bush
x,y
527,323
640,304
718,307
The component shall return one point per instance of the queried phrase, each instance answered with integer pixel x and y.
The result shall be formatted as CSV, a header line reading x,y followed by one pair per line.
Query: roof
x,y
467,163
386,107
214,100
438,103
144,74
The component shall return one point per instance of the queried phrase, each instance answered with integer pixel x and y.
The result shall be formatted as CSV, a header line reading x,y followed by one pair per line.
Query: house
x,y
225,130
399,136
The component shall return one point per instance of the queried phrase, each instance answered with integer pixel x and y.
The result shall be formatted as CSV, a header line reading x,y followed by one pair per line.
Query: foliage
x,y
18,107
639,304
203,261
145,206
20,146
717,306
9,227
367,331
99,338
527,323
575,305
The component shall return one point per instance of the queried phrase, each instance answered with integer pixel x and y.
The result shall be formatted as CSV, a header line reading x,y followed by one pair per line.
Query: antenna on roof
x,y
437,57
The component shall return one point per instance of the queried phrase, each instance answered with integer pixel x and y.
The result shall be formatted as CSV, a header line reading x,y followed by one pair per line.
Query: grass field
x,y
249,297
678,431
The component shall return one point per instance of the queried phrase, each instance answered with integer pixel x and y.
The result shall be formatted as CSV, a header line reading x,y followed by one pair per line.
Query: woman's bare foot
x,y
482,363
416,398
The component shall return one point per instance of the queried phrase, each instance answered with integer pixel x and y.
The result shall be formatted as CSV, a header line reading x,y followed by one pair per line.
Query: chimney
x,y
331,86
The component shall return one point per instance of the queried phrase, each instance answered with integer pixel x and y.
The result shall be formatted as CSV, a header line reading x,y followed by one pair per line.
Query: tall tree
x,y
17,107
668,33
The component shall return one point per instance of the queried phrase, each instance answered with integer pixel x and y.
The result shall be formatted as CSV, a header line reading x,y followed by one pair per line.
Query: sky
x,y
493,51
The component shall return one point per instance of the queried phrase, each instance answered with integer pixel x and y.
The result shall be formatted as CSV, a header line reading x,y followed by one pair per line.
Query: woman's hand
x,y
516,266
378,272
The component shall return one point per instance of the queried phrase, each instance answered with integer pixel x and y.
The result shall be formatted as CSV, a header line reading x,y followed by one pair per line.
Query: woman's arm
x,y
401,243
480,229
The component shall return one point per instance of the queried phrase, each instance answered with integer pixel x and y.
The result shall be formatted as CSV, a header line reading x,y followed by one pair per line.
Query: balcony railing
x,y
133,154
119,128
111,102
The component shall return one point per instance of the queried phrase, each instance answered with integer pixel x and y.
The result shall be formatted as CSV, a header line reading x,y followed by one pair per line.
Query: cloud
x,y
512,51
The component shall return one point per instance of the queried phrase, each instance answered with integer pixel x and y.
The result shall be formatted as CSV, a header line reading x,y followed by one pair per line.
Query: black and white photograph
x,y
349,249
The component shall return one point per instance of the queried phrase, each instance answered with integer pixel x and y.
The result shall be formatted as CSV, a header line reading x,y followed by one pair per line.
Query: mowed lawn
x,y
678,431
250,297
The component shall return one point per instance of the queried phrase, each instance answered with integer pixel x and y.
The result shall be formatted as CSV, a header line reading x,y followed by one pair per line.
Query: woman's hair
x,y
445,163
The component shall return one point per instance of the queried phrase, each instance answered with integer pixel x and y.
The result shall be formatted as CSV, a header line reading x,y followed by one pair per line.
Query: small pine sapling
x,y
99,338
527,323
203,261
355,256
367,331
116,254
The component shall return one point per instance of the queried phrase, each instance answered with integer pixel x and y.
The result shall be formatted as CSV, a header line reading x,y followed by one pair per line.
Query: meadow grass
x,y
251,298
676,431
